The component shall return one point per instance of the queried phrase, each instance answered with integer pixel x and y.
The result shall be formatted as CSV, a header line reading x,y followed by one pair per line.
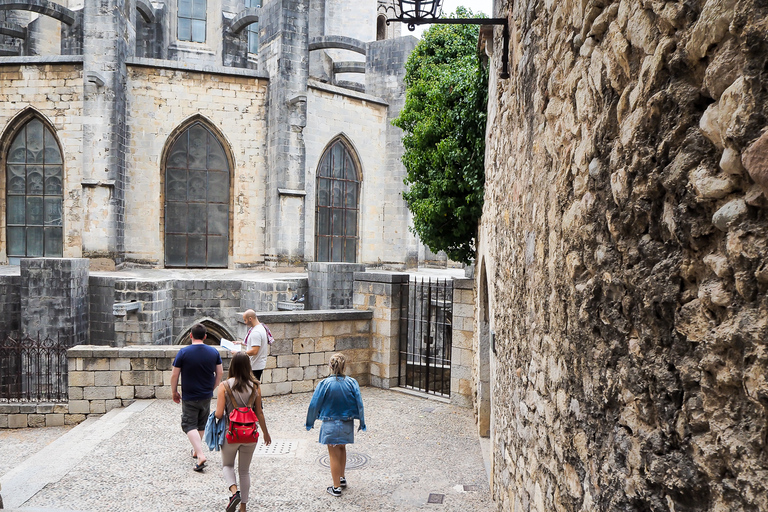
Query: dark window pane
x,y
176,218
185,29
253,38
198,31
322,248
217,251
198,219
53,180
18,152
17,207
196,251
52,153
176,250
198,182
323,221
218,187
323,192
35,179
185,8
351,223
35,211
350,250
336,252
17,241
338,188
337,222
198,9
350,195
349,167
34,241
35,143
325,165
198,144
218,219
337,159
178,156
176,186
217,160
17,179
53,242
53,211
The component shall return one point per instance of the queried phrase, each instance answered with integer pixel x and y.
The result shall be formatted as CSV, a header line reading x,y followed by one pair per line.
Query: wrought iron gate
x,y
33,369
426,313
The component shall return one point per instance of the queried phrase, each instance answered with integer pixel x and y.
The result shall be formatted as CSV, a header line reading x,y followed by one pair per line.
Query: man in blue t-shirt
x,y
200,368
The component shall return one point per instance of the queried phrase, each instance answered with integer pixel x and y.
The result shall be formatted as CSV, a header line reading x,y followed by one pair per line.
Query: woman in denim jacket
x,y
337,402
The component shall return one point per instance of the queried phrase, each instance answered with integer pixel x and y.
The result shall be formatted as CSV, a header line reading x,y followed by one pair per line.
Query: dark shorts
x,y
337,432
257,374
194,414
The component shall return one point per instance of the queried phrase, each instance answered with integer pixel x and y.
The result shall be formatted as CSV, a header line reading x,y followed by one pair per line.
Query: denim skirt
x,y
337,432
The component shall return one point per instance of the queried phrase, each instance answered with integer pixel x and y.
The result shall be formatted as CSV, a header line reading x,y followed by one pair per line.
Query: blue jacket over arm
x,y
336,398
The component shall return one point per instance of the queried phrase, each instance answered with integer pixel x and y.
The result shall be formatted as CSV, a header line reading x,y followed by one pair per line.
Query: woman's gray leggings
x,y
228,452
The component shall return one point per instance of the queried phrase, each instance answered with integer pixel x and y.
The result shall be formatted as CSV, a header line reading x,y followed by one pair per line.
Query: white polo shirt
x,y
257,337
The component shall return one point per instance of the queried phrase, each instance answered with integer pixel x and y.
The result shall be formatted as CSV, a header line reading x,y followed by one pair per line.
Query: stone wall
x,y
10,304
462,353
624,239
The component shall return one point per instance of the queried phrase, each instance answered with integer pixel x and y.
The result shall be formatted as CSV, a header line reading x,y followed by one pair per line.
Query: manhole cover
x,y
468,488
436,498
283,447
354,460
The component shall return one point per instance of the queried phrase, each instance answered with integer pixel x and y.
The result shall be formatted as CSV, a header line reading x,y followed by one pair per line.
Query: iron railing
x,y
426,335
33,369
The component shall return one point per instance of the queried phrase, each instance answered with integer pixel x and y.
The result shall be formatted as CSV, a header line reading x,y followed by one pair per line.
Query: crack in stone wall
x,y
625,241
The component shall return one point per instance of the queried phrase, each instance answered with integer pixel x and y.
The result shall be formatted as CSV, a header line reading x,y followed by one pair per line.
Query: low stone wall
x,y
103,378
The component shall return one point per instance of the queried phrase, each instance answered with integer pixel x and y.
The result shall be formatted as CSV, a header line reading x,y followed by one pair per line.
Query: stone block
x,y
17,421
303,345
109,378
268,390
281,347
112,404
144,392
295,373
271,362
93,393
79,407
133,378
317,358
287,361
93,364
36,420
44,408
323,371
81,379
352,342
337,328
266,376
168,376
310,373
3,421
279,375
74,419
283,388
163,392
166,363
9,408
302,386
144,363
120,363
75,393
28,408
311,329
54,420
98,406
325,344
291,331
303,359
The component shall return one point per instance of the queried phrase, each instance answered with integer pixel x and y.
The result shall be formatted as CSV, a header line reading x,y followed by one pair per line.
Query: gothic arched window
x,y
34,193
338,191
196,200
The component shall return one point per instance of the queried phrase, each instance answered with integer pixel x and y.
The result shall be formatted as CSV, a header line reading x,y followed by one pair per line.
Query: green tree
x,y
444,137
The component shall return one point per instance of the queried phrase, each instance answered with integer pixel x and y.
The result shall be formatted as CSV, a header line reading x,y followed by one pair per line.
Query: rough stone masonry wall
x,y
625,240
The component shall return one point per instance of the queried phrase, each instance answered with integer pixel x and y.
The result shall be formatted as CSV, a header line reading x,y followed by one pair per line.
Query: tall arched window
x,y
253,29
338,191
34,193
381,27
196,200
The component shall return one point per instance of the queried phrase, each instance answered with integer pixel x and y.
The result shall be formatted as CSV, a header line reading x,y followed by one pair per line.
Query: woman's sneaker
x,y
334,491
234,501
343,482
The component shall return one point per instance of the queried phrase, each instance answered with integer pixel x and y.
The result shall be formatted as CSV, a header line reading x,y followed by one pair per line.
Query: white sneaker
x,y
334,491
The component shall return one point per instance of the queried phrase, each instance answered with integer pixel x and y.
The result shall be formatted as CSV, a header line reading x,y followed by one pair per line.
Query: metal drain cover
x,y
435,498
280,447
354,460
470,488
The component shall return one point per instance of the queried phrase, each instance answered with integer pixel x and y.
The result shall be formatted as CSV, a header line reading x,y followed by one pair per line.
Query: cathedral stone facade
x,y
202,133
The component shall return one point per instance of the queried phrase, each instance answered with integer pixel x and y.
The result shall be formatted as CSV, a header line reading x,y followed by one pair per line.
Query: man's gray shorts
x,y
194,414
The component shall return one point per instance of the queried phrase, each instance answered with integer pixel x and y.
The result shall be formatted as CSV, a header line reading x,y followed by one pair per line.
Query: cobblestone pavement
x,y
413,447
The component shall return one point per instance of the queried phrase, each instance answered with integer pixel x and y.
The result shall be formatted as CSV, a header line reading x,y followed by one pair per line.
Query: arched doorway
x,y
216,331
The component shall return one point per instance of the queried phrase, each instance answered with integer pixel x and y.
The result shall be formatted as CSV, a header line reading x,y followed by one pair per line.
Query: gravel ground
x,y
18,444
413,447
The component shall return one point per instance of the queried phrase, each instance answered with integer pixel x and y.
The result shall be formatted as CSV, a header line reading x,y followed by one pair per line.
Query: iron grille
x,y
426,335
33,369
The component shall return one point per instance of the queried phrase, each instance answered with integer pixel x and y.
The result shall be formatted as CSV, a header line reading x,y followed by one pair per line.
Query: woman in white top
x,y
242,382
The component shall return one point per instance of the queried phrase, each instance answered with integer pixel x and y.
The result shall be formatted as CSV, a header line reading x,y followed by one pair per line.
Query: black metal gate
x,y
33,369
426,313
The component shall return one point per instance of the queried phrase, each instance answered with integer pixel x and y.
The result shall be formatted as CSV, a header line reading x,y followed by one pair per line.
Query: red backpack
x,y
243,424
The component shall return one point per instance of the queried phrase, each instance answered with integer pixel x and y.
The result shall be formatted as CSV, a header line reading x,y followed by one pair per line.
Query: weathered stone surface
x,y
630,330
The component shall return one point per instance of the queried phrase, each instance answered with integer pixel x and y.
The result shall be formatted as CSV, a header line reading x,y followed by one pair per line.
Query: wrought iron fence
x,y
33,369
426,336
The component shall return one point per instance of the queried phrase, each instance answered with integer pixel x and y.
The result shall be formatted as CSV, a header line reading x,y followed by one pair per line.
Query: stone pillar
x,y
109,38
54,298
380,292
283,52
385,78
462,355
331,284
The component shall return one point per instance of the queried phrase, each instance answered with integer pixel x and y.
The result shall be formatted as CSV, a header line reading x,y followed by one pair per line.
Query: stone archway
x,y
216,331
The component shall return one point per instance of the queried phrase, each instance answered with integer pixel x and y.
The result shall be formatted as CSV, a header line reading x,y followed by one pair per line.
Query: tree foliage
x,y
444,137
